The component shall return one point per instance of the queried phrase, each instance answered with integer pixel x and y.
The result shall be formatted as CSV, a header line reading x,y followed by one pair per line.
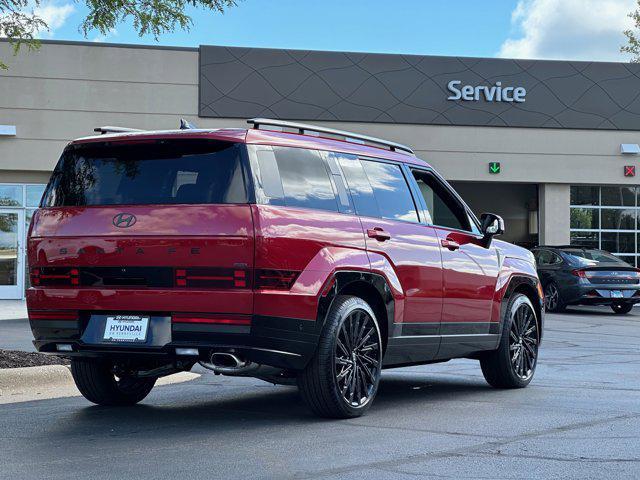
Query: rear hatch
x,y
126,224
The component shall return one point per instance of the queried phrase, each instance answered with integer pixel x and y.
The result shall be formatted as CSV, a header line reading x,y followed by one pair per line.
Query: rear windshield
x,y
167,172
586,257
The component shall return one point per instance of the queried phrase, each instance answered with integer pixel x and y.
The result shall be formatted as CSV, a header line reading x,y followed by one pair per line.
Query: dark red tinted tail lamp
x,y
275,279
211,277
579,273
55,276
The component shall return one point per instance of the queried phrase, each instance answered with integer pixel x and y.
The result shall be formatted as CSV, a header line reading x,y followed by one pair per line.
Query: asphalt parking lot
x,y
580,418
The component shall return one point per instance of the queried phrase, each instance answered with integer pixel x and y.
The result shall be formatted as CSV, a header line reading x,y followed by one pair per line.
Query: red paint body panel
x,y
183,236
470,275
414,253
314,242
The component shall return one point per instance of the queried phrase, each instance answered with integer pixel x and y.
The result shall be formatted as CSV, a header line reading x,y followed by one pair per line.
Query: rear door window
x,y
305,180
390,190
168,172
294,177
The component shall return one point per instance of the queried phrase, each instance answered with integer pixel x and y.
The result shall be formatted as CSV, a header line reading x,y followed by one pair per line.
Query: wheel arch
x,y
530,287
370,287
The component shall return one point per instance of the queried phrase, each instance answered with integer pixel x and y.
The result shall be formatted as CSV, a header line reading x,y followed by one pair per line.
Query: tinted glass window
x,y
585,218
305,180
391,191
443,207
584,195
34,195
11,195
590,257
618,196
359,186
178,172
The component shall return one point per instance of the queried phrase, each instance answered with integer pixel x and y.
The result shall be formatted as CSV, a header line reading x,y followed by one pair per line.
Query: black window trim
x,y
416,191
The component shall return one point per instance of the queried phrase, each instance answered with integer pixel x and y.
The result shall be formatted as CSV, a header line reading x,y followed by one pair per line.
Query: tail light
x,y
579,273
55,276
206,277
275,279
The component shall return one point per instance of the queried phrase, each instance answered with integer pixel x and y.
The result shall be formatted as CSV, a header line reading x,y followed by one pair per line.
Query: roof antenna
x,y
185,125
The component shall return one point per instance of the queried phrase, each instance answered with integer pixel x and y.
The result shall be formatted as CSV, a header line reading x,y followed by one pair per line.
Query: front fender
x,y
517,273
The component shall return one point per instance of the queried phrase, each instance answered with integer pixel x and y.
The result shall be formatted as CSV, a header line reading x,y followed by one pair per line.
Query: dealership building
x,y
552,146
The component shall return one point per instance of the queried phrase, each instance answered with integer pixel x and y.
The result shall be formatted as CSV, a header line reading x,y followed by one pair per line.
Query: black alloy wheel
x,y
523,341
341,380
552,300
357,358
513,363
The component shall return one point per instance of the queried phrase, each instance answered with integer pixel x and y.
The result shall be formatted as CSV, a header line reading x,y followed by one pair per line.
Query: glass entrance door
x,y
11,254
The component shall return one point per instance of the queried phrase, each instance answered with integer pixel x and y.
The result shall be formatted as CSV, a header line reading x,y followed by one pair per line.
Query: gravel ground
x,y
16,359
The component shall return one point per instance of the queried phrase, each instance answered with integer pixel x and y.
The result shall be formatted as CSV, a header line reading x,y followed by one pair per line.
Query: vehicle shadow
x,y
596,312
256,408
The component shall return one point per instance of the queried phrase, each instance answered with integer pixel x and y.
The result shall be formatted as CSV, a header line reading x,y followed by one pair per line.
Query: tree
x,y
21,25
633,36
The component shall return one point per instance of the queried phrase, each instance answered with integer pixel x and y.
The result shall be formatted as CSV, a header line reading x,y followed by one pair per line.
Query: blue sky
x,y
575,29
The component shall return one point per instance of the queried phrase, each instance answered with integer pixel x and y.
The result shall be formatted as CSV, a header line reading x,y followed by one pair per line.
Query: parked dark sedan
x,y
573,275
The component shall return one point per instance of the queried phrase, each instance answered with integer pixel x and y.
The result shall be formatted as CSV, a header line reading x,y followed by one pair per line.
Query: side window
x,y
443,207
555,258
359,186
295,177
390,191
544,257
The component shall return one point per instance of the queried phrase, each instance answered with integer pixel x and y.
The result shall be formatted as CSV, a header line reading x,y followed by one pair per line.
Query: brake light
x,y
275,279
579,273
211,319
211,277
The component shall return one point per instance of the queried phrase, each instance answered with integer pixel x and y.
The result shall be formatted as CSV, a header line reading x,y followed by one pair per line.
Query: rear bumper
x,y
602,295
275,341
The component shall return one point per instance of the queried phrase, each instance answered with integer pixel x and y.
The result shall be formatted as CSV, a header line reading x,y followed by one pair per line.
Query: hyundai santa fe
x,y
291,253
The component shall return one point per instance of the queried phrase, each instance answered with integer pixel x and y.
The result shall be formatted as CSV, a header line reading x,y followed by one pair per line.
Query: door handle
x,y
450,244
378,233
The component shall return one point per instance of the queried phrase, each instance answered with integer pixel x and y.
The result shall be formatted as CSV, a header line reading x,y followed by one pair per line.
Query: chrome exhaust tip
x,y
229,363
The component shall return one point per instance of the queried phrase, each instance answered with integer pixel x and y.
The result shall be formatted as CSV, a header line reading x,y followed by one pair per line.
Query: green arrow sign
x,y
494,167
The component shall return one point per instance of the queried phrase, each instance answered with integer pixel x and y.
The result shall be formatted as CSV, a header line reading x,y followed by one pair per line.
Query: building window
x,y
607,218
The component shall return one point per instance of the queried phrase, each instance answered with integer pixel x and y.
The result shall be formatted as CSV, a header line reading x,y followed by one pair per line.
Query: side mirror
x,y
491,225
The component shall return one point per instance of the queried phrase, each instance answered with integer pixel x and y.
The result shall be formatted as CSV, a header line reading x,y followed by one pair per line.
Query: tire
x,y
621,308
330,385
520,335
552,299
99,385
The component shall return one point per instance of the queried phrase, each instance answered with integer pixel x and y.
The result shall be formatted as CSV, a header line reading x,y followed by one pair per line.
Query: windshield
x,y
167,172
586,257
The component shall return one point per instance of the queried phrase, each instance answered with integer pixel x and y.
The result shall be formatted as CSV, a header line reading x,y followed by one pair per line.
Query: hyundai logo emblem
x,y
124,220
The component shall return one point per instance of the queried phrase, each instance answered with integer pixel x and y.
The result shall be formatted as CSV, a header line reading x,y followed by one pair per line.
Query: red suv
x,y
287,252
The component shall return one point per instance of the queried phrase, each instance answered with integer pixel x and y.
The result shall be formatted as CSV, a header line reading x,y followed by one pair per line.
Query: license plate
x,y
126,328
616,294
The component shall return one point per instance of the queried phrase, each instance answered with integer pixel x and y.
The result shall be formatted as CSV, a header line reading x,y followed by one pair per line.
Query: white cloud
x,y
55,14
569,29
103,38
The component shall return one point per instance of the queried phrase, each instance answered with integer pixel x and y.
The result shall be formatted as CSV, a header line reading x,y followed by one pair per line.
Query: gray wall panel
x,y
359,87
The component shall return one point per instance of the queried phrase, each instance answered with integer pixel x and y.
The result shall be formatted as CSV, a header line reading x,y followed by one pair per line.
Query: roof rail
x,y
109,129
303,127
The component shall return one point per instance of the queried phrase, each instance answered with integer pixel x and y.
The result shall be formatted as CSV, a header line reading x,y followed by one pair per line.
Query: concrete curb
x,y
17,379
53,381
